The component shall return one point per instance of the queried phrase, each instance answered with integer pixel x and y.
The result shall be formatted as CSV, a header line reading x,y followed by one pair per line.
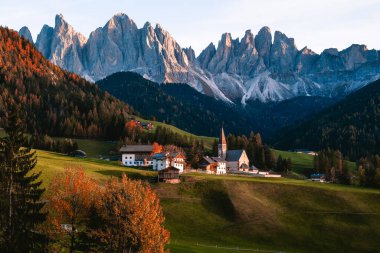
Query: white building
x,y
164,160
136,155
237,160
214,165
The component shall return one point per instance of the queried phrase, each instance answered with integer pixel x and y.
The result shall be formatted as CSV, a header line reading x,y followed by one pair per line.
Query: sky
x,y
316,24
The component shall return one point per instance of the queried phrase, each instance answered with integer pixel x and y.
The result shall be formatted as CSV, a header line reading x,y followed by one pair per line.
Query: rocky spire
x,y
253,68
263,43
24,32
283,53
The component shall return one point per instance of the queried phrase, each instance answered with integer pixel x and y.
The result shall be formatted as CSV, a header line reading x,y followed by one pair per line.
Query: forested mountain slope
x,y
352,126
56,102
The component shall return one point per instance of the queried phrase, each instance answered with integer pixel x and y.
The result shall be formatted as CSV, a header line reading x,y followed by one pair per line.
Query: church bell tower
x,y
222,146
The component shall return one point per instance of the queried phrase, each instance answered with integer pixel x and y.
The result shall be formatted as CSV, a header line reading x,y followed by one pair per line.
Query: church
x,y
227,160
236,160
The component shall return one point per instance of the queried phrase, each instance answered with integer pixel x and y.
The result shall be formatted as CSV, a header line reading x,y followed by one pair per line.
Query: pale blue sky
x,y
317,24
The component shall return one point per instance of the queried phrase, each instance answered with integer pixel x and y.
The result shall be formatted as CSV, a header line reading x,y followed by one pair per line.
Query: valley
x,y
253,213
128,140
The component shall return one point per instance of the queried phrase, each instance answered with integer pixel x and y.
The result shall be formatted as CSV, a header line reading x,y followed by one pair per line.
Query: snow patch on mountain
x,y
251,68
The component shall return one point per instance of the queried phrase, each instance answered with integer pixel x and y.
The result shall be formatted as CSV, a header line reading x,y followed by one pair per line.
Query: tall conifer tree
x,y
20,193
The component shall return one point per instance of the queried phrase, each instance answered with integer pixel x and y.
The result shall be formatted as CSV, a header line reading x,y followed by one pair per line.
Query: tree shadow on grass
x,y
119,173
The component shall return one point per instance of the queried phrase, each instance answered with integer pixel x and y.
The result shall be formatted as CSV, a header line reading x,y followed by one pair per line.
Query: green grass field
x,y
94,148
206,212
303,163
52,164
208,141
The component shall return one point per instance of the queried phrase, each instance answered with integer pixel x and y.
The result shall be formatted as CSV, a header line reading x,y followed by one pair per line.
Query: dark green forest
x,y
351,126
182,106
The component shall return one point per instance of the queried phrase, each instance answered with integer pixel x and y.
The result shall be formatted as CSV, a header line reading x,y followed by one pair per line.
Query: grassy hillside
x,y
303,163
270,214
208,141
96,148
279,215
53,163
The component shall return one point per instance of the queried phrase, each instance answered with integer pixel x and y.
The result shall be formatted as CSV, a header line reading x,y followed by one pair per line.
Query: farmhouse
x,y
169,159
169,175
213,165
136,155
237,160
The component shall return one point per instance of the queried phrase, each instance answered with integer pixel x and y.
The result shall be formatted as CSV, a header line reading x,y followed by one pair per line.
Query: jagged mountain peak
x,y
248,38
265,29
65,30
281,37
61,22
226,39
121,14
59,17
305,50
25,32
121,20
265,66
147,25
331,51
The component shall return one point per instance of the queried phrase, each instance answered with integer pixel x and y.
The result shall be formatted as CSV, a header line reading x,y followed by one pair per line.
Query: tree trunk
x,y
10,214
72,239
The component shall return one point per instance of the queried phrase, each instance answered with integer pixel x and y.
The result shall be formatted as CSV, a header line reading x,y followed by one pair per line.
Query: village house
x,y
237,160
213,165
169,175
164,160
136,155
147,125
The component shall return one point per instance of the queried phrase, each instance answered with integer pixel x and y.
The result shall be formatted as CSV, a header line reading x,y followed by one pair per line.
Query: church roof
x,y
234,155
218,159
136,149
208,159
211,160
222,139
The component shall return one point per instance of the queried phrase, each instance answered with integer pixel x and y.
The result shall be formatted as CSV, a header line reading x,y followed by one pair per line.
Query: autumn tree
x,y
131,218
71,196
157,148
20,191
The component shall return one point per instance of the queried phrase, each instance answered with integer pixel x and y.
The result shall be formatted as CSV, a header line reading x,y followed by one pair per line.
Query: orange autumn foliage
x,y
120,216
132,218
72,193
157,148
130,125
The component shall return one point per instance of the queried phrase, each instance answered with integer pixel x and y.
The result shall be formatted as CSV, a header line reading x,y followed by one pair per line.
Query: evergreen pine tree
x,y
20,192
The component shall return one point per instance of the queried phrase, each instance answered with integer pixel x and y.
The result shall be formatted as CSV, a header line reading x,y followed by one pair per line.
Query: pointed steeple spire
x,y
222,146
222,139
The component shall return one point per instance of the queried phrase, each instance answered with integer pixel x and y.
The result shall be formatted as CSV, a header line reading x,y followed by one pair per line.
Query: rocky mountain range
x,y
256,67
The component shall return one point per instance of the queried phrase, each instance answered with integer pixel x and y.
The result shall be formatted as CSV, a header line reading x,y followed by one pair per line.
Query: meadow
x,y
205,213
